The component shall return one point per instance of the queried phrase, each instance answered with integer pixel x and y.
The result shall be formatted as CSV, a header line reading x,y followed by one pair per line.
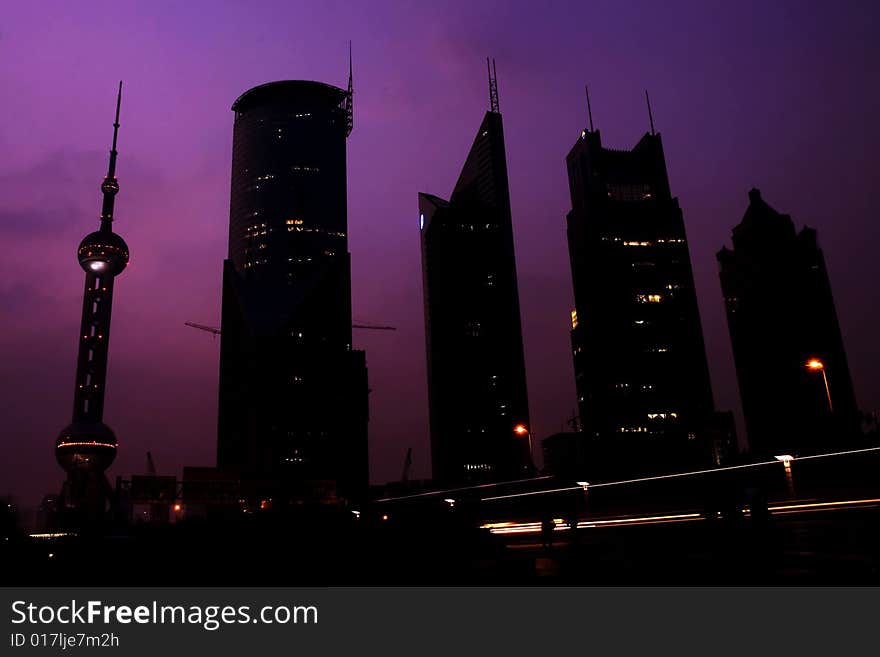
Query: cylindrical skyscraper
x,y
293,407
87,447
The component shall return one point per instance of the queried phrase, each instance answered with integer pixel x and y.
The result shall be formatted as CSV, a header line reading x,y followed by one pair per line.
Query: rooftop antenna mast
x,y
349,98
589,109
650,114
493,87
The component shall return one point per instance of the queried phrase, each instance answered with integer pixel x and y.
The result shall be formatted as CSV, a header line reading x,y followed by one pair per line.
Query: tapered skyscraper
x,y
476,370
794,380
293,393
87,446
640,365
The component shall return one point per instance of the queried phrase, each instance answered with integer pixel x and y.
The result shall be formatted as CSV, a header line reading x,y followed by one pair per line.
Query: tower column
x,y
87,446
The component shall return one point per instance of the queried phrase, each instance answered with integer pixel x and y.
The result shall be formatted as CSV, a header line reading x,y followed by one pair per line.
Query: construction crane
x,y
369,327
202,327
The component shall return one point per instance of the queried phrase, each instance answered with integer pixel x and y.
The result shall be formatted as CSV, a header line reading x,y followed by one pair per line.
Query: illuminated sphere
x,y
86,446
110,186
103,252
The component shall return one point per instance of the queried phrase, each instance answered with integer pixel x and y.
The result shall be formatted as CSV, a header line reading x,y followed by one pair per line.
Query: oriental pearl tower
x,y
87,446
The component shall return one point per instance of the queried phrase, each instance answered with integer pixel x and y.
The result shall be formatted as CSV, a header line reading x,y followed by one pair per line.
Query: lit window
x,y
649,298
574,319
662,416
629,192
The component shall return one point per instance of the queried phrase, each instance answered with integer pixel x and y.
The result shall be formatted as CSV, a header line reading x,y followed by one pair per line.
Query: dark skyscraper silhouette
x,y
642,378
293,394
794,381
476,371
87,447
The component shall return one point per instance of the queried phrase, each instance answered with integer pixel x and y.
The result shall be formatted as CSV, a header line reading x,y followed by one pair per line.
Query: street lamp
x,y
522,430
816,365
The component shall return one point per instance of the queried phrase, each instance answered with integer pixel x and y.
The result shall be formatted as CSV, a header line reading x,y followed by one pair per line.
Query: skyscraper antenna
x,y
493,87
589,109
349,99
650,114
111,170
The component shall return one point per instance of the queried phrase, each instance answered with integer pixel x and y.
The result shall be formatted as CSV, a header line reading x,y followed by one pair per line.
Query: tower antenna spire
x,y
650,114
349,99
111,170
589,109
110,186
493,87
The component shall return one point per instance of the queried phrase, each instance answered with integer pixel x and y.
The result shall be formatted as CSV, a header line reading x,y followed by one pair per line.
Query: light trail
x,y
505,528
674,475
462,488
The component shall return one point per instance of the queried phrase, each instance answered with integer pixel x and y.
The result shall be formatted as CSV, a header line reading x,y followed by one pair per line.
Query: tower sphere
x,y
86,446
103,252
110,186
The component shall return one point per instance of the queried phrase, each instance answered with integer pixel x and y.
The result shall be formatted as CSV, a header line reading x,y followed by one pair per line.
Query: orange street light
x,y
816,365
523,430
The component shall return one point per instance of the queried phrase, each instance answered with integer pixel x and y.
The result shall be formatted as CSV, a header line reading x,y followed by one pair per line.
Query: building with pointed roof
x,y
479,415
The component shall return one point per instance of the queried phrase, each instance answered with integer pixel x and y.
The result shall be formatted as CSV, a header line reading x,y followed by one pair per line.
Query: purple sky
x,y
783,98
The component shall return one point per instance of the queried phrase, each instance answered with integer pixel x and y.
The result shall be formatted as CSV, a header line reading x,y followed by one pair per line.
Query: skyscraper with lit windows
x,y
476,371
641,373
293,393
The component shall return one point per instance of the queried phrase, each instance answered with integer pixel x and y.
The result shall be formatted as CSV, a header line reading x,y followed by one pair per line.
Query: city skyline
x,y
43,155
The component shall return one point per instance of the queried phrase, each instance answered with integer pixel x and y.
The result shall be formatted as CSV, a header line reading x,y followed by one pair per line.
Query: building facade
x,y
293,393
640,364
794,380
479,414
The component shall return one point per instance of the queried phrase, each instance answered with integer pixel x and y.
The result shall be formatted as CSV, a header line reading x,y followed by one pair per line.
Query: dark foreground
x,y
807,542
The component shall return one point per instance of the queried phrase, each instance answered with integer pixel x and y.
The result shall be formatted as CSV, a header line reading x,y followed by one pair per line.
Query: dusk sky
x,y
781,96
